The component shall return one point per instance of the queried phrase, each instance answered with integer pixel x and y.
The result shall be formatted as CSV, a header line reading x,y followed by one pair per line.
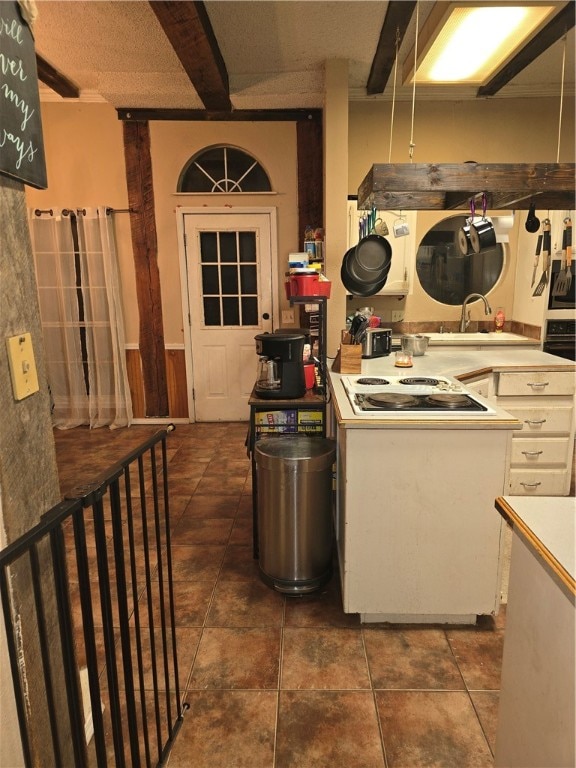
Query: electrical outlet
x,y
397,315
287,317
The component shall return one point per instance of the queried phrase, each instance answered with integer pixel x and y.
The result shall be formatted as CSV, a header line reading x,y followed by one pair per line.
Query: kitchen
x,y
88,136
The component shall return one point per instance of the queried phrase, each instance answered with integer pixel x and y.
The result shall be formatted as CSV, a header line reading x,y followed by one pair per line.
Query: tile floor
x,y
276,682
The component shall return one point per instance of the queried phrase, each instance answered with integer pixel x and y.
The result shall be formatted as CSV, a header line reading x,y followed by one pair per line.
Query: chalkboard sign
x,y
21,145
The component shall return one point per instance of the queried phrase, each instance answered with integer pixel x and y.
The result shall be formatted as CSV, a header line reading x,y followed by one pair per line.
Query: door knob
x,y
265,316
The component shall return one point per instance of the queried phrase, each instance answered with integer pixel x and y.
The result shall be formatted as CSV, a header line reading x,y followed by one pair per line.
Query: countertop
x,y
465,364
548,525
452,363
491,339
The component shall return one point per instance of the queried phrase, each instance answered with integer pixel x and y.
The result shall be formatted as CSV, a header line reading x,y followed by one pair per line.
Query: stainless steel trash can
x,y
294,493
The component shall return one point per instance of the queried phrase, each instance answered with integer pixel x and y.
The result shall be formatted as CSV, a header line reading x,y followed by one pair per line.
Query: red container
x,y
304,285
324,287
308,285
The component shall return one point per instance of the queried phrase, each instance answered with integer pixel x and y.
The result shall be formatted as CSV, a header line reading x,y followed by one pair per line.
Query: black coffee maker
x,y
280,365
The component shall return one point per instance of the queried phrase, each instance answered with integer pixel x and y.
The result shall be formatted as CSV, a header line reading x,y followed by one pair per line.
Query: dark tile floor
x,y
278,682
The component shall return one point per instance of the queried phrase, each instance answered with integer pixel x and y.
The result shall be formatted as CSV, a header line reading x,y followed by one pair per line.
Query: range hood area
x,y
451,186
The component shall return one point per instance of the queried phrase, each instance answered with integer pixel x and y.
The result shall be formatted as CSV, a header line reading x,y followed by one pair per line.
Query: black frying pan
x,y
360,287
373,253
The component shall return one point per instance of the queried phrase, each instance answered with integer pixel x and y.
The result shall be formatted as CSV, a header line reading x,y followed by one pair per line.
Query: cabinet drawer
x,y
545,450
541,420
542,482
536,383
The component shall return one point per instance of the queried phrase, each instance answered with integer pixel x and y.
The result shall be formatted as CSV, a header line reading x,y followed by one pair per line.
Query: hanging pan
x,y
482,233
361,285
373,253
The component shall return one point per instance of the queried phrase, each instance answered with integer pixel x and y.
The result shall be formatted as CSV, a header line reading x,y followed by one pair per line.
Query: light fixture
x,y
467,42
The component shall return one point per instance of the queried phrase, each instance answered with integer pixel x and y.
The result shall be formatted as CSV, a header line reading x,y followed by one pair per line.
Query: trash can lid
x,y
316,452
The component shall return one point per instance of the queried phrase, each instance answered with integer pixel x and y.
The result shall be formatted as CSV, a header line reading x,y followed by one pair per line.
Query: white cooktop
x,y
422,385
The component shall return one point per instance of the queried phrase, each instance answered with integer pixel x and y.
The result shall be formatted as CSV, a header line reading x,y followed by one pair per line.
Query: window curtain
x,y
81,314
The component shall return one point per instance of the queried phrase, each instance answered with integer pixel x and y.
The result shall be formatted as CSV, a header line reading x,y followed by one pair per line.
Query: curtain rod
x,y
68,211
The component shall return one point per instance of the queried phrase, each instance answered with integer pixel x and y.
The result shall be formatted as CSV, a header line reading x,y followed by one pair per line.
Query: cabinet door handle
x,y
535,421
537,384
531,485
532,453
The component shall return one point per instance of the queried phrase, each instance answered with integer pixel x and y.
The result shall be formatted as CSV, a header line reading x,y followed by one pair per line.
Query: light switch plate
x,y
287,317
22,365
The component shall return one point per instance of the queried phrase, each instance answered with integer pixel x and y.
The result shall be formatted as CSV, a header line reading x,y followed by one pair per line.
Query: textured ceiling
x,y
274,53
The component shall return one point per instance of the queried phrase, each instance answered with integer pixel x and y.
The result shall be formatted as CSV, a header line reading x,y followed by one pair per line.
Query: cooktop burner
x,y
448,400
422,381
392,400
369,380
396,401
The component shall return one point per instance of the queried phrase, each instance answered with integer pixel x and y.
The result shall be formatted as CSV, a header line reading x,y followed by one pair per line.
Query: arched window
x,y
223,169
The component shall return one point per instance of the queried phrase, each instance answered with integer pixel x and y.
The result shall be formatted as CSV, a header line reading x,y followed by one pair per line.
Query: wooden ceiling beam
x,y
398,15
238,115
187,26
433,186
56,80
553,31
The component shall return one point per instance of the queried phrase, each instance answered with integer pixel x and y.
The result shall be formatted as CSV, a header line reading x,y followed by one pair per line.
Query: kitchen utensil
x,y
380,227
546,245
373,253
267,377
416,344
560,284
568,255
358,281
482,233
532,222
536,258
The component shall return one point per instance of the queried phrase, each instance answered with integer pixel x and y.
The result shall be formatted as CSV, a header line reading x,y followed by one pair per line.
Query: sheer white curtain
x,y
81,314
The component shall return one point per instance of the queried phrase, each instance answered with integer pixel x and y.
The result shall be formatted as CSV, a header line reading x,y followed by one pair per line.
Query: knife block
x,y
348,358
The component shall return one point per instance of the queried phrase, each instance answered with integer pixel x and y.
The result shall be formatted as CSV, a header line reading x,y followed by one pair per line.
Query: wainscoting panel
x,y
176,381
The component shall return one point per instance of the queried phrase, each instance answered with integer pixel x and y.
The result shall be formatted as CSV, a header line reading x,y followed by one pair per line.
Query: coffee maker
x,y
280,365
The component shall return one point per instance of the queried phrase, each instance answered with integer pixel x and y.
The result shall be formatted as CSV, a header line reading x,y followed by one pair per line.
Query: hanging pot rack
x,y
451,186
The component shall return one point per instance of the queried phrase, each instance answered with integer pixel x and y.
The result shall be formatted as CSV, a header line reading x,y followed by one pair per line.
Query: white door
x,y
228,260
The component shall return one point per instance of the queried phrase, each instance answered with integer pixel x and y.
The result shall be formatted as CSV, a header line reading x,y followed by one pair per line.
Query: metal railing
x,y
88,594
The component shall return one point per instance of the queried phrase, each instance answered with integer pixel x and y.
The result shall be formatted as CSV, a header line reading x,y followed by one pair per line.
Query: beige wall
x,y
85,164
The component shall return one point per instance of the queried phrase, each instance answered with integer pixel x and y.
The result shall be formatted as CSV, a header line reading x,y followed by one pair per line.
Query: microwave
x,y
568,300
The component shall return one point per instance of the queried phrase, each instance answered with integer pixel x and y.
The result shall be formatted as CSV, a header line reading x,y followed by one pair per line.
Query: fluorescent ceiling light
x,y
468,42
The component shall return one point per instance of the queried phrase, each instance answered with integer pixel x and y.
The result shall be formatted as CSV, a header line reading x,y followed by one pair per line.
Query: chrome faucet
x,y
465,318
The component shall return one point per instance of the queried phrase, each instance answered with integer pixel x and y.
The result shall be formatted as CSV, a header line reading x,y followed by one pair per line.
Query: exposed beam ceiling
x,y
553,31
56,80
255,55
188,28
433,186
398,15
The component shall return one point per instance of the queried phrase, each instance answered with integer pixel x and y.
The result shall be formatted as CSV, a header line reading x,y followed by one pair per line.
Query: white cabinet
x,y
541,455
413,547
403,248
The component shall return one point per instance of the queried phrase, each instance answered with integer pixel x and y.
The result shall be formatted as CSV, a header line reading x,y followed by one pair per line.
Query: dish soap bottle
x,y
499,319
